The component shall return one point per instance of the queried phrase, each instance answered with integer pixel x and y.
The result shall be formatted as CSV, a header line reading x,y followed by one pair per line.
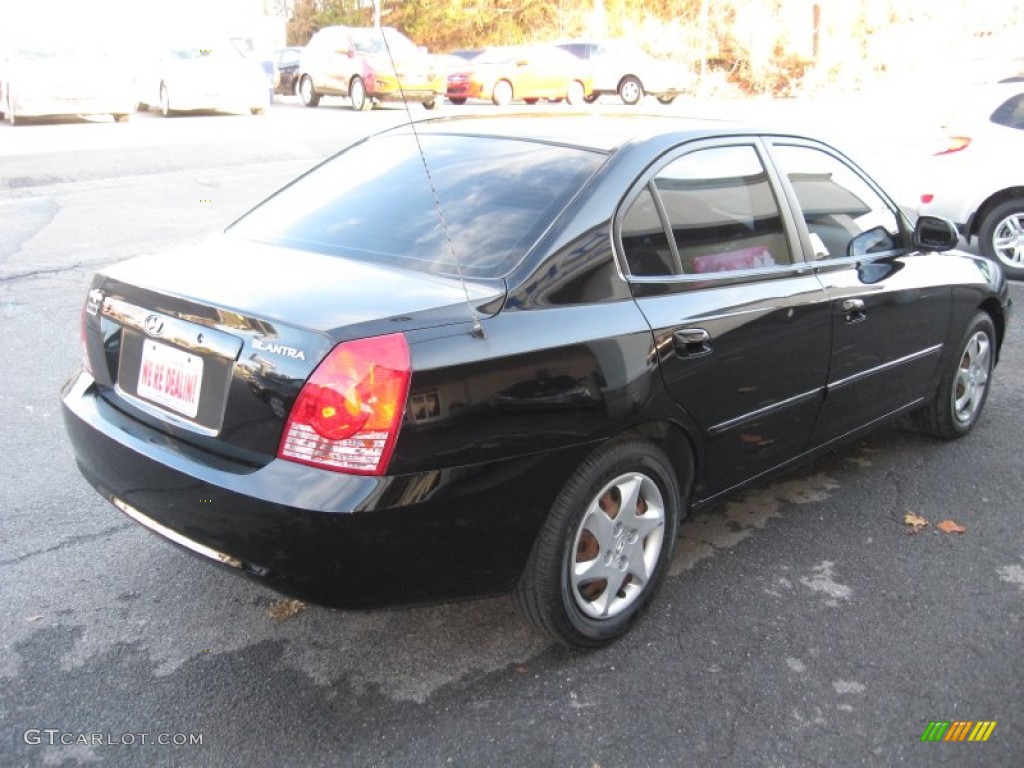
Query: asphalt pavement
x,y
801,624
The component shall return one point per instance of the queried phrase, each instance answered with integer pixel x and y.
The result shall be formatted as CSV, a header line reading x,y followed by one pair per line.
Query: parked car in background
x,y
519,371
520,73
287,62
46,78
368,65
622,68
203,75
977,178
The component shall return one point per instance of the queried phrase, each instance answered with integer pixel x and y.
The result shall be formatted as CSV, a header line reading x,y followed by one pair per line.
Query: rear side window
x,y
721,212
374,202
1010,113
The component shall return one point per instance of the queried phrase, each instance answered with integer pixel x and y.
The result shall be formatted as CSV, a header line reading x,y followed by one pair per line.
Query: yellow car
x,y
520,73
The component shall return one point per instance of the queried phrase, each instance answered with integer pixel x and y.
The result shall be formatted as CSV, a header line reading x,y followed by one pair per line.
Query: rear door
x,y
742,328
889,312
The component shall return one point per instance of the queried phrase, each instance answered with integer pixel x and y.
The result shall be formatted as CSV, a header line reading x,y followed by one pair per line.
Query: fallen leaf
x,y
949,526
281,610
37,617
916,522
521,669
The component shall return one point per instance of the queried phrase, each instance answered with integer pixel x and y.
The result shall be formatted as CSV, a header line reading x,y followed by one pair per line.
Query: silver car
x,y
622,68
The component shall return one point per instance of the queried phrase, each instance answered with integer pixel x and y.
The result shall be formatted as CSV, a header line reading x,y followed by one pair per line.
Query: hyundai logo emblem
x,y
154,325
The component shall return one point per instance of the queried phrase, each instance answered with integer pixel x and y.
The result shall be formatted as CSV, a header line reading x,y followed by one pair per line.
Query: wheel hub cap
x,y
617,546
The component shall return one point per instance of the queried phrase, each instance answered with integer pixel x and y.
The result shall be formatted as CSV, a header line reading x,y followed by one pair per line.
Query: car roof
x,y
602,133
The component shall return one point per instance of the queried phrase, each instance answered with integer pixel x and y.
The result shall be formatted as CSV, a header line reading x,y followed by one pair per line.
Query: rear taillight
x,y
348,413
83,337
955,144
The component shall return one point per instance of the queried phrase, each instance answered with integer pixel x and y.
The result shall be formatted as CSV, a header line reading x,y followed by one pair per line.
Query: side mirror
x,y
933,233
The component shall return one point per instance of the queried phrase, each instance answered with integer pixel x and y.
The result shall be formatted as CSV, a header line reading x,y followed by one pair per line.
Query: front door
x,y
742,329
889,318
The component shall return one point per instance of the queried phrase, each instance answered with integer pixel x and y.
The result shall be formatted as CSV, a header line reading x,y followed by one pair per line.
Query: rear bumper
x,y
329,538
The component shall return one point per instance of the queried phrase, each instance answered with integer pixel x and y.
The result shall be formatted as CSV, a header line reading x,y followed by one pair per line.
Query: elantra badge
x,y
278,349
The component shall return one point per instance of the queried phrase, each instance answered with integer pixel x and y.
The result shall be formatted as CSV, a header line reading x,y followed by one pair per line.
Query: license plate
x,y
170,377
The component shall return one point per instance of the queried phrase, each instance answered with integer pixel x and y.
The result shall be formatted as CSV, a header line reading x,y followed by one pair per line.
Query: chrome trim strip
x,y
177,538
165,414
886,366
725,426
182,333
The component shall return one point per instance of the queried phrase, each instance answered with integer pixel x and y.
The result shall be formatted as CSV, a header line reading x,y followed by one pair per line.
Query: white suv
x,y
977,179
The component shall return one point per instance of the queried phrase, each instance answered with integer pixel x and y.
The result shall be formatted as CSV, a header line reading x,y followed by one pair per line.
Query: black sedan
x,y
511,354
287,62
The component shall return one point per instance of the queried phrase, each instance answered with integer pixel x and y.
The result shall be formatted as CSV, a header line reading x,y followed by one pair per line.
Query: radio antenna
x,y
478,329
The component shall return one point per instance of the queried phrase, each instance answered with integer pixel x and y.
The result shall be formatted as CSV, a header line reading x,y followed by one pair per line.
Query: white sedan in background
x,y
622,68
977,178
49,79
204,75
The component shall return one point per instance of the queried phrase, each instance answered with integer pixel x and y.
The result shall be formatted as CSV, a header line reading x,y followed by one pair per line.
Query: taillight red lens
x,y
84,339
955,144
348,414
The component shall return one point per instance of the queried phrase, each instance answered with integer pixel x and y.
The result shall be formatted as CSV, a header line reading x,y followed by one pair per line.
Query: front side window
x,y
721,212
844,215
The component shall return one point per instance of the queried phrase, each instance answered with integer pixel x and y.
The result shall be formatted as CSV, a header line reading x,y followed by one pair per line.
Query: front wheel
x,y
430,104
631,90
458,101
1001,237
964,386
357,94
307,93
605,546
501,94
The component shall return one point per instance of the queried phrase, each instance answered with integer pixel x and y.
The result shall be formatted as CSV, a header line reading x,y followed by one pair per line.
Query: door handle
x,y
691,342
853,310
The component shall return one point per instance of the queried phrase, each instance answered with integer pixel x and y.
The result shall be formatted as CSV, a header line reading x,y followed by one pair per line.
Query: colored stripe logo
x,y
958,730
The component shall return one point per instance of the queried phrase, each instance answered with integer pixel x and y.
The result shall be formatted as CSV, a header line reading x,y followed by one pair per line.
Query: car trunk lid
x,y
218,353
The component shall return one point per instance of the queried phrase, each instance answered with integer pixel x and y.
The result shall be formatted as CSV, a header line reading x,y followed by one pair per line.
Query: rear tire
x,y
1001,237
430,104
605,546
165,102
458,101
575,93
666,99
964,386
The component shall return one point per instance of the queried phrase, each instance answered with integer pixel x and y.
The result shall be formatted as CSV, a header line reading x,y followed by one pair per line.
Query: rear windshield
x,y
374,202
